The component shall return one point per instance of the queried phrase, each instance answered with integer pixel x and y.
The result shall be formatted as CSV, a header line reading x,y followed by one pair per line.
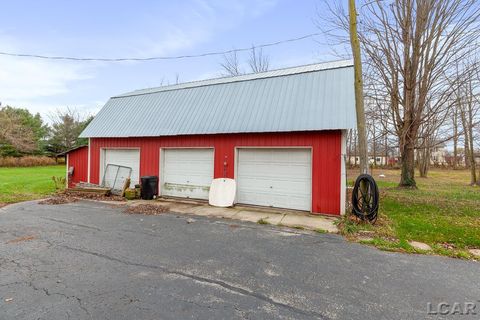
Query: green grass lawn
x,y
21,184
444,212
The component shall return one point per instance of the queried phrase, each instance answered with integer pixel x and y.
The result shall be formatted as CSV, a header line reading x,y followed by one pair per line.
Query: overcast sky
x,y
138,29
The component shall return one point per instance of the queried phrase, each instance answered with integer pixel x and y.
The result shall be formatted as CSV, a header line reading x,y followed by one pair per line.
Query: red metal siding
x,y
326,146
78,159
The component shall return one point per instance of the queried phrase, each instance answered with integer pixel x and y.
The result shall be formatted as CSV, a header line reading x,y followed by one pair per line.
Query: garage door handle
x,y
271,187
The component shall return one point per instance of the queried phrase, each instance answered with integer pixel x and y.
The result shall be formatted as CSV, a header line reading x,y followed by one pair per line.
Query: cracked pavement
x,y
89,260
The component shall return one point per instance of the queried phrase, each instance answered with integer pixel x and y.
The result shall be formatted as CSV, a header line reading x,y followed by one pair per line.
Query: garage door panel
x,y
277,156
189,154
188,179
177,178
195,167
257,198
290,202
289,172
296,189
187,173
275,177
283,186
124,157
292,188
282,170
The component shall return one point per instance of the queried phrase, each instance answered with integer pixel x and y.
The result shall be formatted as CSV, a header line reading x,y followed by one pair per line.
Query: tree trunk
x,y
424,161
455,138
407,152
350,139
473,175
359,106
356,147
466,138
386,150
374,147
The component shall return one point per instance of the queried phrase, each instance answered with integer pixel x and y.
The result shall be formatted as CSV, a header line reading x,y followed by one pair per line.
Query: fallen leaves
x,y
447,245
148,209
58,199
21,239
99,197
63,198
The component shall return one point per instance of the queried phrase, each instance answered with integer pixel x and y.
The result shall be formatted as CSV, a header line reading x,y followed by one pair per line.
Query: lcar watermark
x,y
456,308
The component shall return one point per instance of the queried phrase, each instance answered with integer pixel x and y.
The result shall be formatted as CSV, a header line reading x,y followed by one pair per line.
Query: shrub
x,y
60,183
27,161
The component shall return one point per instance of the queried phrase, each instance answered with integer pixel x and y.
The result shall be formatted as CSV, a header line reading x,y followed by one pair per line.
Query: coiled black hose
x,y
365,198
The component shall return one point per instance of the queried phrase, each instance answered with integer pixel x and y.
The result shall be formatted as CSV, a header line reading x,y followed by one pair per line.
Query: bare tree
x,y
477,136
455,137
469,110
354,148
257,61
411,48
348,142
231,65
66,128
426,142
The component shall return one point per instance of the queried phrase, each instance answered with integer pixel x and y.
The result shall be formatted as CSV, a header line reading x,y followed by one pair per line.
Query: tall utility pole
x,y
359,106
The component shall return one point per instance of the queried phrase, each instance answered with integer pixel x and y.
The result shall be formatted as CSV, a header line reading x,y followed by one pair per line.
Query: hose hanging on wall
x,y
365,199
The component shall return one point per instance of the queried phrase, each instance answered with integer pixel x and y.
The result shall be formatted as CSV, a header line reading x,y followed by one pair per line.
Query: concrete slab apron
x,y
309,222
213,211
255,216
289,219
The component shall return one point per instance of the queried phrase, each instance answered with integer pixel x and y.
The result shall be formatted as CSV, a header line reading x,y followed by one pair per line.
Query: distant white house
x,y
379,160
438,155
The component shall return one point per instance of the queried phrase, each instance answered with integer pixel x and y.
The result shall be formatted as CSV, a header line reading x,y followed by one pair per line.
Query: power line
x,y
206,54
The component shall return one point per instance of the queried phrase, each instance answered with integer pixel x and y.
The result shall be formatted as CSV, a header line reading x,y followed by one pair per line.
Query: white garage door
x,y
275,177
187,173
123,157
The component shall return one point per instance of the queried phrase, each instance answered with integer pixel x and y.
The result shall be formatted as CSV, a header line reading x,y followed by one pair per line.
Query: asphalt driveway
x,y
89,260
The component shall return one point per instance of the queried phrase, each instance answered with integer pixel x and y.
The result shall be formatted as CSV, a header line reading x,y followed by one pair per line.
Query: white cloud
x,y
197,23
23,78
45,86
25,81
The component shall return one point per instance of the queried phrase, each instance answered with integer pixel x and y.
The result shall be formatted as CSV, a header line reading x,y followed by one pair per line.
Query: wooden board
x,y
97,190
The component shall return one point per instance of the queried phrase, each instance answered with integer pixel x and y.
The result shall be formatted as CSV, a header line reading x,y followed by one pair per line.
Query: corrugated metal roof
x,y
312,97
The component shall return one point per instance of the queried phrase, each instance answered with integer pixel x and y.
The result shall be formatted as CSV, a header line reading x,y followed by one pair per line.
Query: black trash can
x,y
149,187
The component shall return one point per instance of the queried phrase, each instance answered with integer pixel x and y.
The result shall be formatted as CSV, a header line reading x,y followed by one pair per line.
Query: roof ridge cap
x,y
244,77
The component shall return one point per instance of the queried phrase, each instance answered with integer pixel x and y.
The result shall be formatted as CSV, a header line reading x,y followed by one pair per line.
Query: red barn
x,y
76,161
280,134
